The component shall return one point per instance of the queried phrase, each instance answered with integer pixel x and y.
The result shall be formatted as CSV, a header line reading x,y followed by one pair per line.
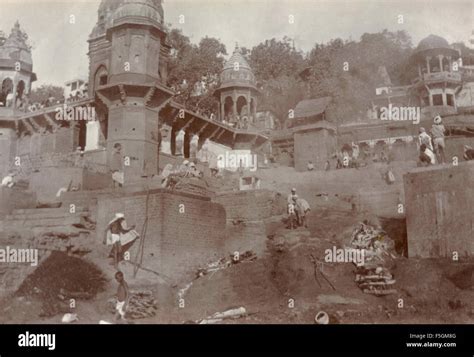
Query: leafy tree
x,y
46,91
276,64
347,70
274,58
193,70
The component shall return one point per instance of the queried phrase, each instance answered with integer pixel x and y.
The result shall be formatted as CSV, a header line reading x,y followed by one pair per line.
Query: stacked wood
x,y
142,304
373,275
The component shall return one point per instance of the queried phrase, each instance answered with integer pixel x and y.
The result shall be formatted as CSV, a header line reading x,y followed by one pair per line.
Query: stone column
x,y
173,141
419,70
234,105
222,111
249,108
428,58
440,58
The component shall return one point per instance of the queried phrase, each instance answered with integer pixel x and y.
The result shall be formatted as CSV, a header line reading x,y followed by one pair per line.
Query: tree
x,y
346,70
194,70
276,64
46,91
273,58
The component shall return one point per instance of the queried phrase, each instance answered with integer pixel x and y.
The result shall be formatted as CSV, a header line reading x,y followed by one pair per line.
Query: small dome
x,y
151,10
104,15
237,72
110,10
16,48
432,42
432,46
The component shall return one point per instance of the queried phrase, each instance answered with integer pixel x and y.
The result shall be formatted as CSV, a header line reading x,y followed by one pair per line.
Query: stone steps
x,y
42,216
46,219
60,210
49,222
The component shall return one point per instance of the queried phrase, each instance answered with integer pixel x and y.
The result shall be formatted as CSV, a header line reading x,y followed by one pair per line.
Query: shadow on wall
x,y
396,229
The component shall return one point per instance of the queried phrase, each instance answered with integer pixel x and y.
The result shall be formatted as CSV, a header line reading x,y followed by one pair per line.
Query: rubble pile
x,y
72,240
373,274
226,262
220,316
142,304
60,277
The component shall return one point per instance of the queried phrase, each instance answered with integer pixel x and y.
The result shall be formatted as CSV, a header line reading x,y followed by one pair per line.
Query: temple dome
x,y
15,48
433,45
131,10
432,42
231,77
117,10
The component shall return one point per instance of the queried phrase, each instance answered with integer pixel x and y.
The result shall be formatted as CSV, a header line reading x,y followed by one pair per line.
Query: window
x,y
450,100
103,80
74,86
437,99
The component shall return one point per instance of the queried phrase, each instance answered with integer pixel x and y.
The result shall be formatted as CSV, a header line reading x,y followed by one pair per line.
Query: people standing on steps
x,y
427,157
302,208
438,132
120,237
424,138
8,181
116,166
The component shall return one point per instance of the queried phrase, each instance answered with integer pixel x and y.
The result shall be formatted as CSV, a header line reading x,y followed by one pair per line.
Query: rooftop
x,y
311,107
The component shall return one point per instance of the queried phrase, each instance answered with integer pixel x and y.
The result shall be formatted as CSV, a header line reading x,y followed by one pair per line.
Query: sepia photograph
x,y
237,162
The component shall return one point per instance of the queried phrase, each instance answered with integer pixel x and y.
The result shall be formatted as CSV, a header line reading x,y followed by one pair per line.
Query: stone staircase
x,y
48,219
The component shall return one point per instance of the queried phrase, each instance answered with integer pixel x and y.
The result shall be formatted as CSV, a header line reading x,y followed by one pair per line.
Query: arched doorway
x,y
7,88
241,106
228,108
20,89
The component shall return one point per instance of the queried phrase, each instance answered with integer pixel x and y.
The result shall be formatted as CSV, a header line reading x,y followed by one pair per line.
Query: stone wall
x,y
178,239
439,204
48,180
247,205
246,215
13,198
316,146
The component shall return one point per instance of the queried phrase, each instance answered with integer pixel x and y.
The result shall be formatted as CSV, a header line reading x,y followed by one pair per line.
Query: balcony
x,y
434,77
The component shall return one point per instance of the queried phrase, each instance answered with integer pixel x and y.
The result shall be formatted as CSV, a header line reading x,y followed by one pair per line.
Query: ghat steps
x,y
44,219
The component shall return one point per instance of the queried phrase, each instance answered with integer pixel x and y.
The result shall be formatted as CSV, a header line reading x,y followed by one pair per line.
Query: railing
x,y
439,76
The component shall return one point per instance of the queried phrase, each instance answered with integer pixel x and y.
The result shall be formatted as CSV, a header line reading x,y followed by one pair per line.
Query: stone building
x,y
237,92
438,79
16,68
127,102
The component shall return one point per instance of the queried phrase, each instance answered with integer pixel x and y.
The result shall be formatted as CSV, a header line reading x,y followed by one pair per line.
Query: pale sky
x,y
60,48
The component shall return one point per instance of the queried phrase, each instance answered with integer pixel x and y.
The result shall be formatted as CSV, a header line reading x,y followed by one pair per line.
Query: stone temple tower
x,y
237,92
128,53
16,69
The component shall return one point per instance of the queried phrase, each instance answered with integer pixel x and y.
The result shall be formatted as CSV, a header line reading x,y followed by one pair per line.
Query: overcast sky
x,y
60,48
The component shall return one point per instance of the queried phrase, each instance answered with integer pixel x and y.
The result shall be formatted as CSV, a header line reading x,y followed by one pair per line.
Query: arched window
x,y
101,77
241,103
20,88
7,88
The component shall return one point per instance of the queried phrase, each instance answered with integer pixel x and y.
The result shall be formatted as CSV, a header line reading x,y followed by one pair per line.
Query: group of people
x,y
171,176
238,121
348,157
432,146
297,210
